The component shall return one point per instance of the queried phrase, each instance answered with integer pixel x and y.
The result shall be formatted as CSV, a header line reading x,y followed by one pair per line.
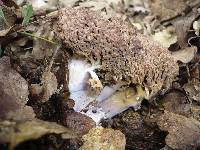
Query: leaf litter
x,y
159,114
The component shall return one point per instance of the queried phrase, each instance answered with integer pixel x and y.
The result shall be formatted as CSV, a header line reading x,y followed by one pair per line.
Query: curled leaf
x,y
15,133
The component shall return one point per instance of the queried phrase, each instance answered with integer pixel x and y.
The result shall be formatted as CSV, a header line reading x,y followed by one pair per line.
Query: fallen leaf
x,y
13,93
183,133
182,26
177,102
166,9
13,82
15,133
185,55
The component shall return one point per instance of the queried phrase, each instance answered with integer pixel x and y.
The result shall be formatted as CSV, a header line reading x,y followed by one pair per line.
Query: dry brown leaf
x,y
185,55
166,9
176,101
14,93
183,132
182,26
15,133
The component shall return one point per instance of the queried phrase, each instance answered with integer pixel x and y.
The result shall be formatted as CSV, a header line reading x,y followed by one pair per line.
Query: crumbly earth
x,y
124,54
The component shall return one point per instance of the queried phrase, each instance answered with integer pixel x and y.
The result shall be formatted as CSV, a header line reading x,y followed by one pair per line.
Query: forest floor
x,y
36,111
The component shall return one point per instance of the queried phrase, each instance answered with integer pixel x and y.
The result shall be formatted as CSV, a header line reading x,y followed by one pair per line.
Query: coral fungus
x,y
125,55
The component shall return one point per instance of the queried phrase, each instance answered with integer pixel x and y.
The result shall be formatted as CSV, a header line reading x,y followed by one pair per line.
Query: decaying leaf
x,y
183,133
14,93
182,26
177,102
104,139
15,133
166,9
185,55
